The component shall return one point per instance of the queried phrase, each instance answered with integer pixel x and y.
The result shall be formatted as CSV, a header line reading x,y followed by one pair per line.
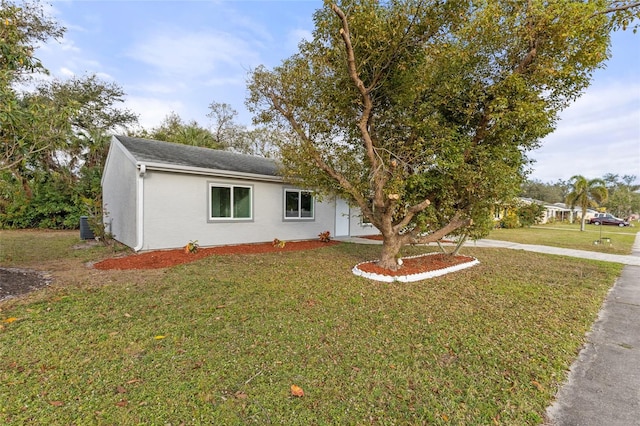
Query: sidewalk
x,y
603,385
632,259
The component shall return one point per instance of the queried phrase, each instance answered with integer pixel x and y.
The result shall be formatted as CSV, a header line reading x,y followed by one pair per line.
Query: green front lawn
x,y
221,341
570,236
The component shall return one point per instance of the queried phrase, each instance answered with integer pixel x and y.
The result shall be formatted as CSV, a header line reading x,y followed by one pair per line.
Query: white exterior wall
x,y
357,228
176,212
119,195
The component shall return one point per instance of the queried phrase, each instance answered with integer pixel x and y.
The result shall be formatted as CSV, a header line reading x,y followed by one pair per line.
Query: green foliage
x,y
396,103
173,129
223,133
52,204
547,192
530,214
510,220
53,140
29,123
624,198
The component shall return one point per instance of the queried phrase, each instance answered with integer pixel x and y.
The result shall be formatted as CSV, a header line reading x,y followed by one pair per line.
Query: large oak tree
x,y
421,112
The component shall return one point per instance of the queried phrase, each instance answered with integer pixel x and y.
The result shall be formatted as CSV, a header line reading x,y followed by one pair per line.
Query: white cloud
x,y
194,54
158,88
152,110
240,80
598,134
296,36
66,72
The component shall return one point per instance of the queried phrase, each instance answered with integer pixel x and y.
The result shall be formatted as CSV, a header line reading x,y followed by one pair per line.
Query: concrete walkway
x,y
603,386
633,260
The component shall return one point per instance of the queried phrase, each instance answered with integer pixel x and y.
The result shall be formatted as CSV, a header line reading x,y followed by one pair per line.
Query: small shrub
x,y
278,243
191,247
510,221
325,236
531,214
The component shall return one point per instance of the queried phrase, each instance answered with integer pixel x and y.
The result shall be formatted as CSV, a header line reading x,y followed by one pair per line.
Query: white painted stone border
x,y
413,277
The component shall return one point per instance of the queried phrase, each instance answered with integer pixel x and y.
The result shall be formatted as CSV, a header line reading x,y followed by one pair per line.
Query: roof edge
x,y
163,167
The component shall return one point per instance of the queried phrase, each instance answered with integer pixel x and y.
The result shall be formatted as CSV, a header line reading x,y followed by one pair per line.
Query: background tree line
x,y
54,134
622,193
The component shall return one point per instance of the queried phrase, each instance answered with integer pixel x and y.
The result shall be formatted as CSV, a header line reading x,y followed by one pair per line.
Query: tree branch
x,y
364,121
620,8
317,158
454,224
412,211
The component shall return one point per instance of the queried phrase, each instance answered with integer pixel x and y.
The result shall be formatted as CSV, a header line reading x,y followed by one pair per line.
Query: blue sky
x,y
182,55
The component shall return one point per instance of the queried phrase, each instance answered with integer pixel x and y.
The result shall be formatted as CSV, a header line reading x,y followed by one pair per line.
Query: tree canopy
x,y
28,124
53,133
421,112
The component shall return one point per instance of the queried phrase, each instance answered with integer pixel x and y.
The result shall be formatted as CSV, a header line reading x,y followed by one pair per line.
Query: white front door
x,y
342,218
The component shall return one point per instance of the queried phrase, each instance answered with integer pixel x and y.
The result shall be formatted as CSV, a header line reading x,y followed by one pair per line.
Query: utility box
x,y
85,231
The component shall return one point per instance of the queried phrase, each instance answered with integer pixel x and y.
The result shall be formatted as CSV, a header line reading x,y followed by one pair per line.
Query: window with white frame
x,y
230,202
298,204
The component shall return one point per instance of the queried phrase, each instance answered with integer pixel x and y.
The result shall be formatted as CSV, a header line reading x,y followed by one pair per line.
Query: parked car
x,y
607,219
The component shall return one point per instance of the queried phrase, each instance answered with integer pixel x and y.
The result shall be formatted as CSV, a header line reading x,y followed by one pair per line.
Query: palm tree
x,y
586,193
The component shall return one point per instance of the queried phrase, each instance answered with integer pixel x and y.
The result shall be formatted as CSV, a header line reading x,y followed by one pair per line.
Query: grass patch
x,y
221,340
26,247
569,236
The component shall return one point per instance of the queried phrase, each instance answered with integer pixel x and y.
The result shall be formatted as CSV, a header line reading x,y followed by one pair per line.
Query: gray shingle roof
x,y
152,151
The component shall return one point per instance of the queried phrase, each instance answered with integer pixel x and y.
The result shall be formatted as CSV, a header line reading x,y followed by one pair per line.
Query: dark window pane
x,y
241,202
306,204
220,201
292,204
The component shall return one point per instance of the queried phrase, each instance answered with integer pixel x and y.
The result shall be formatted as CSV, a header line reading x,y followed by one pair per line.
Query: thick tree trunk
x,y
392,241
391,245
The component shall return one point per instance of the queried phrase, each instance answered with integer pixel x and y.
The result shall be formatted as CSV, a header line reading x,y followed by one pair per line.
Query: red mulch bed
x,y
417,265
166,258
379,238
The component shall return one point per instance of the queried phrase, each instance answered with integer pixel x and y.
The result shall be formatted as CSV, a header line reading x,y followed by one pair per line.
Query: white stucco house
x,y
160,195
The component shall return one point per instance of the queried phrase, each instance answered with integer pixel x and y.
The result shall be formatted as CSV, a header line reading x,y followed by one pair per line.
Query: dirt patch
x,y
14,281
167,258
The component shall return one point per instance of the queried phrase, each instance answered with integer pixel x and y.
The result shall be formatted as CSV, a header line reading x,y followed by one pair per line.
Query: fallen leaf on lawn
x,y
296,391
122,403
241,395
133,381
445,417
538,385
159,337
56,403
127,315
121,389
9,320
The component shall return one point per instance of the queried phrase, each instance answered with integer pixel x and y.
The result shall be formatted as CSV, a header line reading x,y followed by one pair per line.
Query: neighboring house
x,y
557,212
160,195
